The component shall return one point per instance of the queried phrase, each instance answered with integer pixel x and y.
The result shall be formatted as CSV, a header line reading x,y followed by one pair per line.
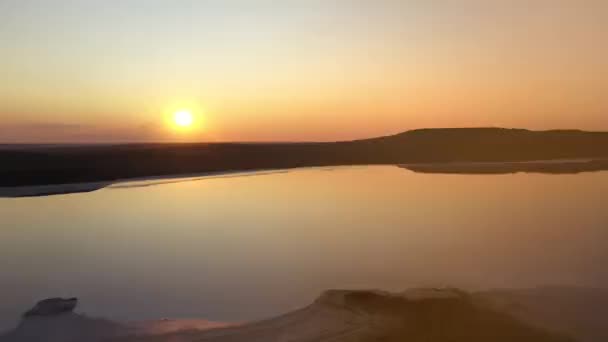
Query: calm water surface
x,y
241,248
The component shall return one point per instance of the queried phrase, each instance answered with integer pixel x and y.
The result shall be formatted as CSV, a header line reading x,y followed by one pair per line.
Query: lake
x,y
249,246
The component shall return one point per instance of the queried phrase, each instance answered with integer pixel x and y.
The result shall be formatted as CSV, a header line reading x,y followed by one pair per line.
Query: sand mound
x,y
427,315
357,316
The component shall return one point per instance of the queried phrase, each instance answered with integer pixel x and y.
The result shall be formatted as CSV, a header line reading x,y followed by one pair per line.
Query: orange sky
x,y
86,71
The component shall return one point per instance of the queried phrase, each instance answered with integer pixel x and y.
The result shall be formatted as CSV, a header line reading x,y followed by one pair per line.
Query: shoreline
x,y
108,163
550,166
84,187
555,166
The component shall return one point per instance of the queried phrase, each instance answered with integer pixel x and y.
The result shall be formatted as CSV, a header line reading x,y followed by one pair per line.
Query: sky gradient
x,y
256,70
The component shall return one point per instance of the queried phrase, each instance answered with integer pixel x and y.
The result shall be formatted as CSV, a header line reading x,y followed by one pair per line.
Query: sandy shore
x,y
72,188
570,166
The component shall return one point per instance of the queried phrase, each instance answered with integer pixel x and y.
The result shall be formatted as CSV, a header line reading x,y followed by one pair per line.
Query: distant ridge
x,y
106,163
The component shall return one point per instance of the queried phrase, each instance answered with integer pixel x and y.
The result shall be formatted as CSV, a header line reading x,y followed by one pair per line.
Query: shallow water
x,y
247,247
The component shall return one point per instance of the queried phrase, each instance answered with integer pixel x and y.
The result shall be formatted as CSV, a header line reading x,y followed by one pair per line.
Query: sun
x,y
183,118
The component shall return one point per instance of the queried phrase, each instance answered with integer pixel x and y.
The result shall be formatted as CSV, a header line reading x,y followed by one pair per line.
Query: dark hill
x,y
70,164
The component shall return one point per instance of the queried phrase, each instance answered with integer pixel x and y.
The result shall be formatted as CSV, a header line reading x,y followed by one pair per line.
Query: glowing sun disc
x,y
183,118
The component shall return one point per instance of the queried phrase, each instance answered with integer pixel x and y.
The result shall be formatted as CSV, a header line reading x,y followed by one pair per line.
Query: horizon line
x,y
177,142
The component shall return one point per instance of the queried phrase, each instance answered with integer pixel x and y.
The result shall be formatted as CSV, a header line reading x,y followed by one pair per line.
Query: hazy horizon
x,y
27,144
90,72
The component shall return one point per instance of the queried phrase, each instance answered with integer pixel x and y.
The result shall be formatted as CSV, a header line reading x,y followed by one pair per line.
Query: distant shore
x,y
102,164
538,166
73,188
